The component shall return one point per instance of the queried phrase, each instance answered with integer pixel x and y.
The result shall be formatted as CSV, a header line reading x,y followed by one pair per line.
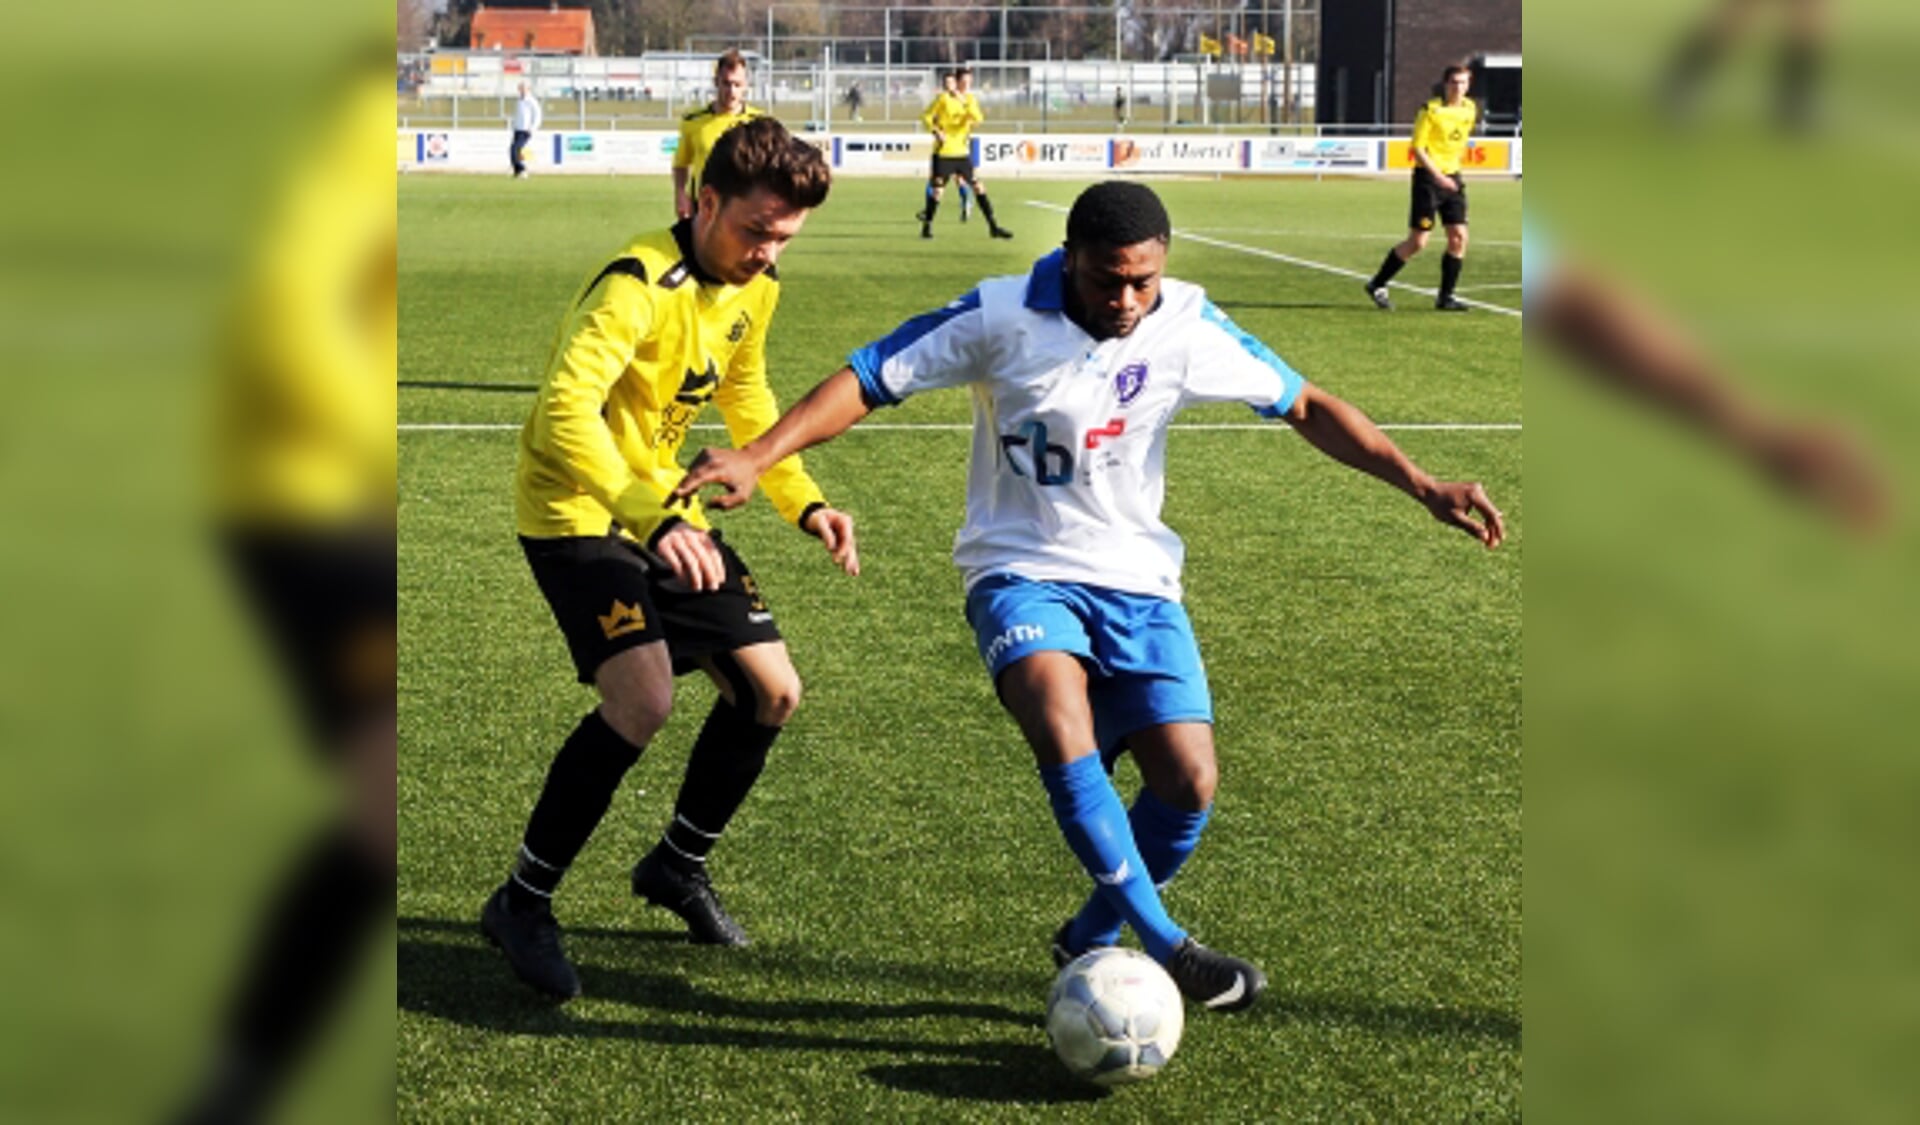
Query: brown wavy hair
x,y
761,153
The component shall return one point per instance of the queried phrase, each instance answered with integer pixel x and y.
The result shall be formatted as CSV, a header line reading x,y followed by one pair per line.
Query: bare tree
x,y
1171,27
954,27
414,24
452,25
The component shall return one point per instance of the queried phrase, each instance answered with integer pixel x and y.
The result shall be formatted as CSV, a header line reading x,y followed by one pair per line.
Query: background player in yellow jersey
x,y
950,84
951,119
1719,30
676,319
1440,137
700,129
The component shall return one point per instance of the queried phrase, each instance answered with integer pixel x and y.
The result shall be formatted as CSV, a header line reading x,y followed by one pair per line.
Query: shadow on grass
x,y
1390,1019
1027,1075
447,971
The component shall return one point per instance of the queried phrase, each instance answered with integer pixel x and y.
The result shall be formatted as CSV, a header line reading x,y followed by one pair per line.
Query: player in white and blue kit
x,y
1073,581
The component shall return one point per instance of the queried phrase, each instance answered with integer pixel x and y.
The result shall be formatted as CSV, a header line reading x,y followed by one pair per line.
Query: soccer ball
x,y
1114,1016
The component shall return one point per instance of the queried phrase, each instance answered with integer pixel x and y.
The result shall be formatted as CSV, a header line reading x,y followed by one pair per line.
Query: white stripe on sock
x,y
678,819
684,852
526,852
529,886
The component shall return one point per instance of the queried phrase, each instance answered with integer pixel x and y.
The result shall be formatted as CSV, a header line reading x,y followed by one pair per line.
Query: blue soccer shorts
x,y
1143,663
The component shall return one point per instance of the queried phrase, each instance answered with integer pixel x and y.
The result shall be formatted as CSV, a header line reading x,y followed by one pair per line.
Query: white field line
x,y
1306,263
963,427
1387,238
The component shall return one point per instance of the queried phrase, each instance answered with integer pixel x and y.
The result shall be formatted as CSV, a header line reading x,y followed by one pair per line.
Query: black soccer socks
x,y
580,786
725,762
1449,275
1389,266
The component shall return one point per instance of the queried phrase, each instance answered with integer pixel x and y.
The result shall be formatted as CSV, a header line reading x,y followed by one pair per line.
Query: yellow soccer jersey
x,y
303,425
953,116
645,345
1443,130
700,130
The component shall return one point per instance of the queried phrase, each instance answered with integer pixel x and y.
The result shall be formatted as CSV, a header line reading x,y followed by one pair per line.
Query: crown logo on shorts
x,y
623,620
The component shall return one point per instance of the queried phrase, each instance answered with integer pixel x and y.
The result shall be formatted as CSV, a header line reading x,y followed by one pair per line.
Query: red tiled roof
x,y
534,29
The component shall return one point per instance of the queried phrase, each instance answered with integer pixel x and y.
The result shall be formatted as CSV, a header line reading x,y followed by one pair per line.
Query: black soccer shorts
x,y
326,600
1429,201
949,166
607,597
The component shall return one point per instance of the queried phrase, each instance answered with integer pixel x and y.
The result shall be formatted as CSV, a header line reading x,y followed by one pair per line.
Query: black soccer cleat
x,y
688,894
1061,953
531,942
922,215
1213,979
926,230
1378,295
1000,232
1451,304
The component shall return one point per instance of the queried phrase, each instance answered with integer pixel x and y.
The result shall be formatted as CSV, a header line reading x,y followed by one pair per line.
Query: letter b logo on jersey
x,y
1052,464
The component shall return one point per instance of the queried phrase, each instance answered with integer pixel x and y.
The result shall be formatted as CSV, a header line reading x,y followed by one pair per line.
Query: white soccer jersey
x,y
1069,438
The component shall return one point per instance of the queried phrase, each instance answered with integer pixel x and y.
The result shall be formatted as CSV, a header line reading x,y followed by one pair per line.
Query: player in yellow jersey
x,y
304,460
950,84
1440,137
951,119
642,593
701,128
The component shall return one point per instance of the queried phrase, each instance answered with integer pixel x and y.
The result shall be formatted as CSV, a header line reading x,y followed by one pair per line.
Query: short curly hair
x,y
761,153
1117,213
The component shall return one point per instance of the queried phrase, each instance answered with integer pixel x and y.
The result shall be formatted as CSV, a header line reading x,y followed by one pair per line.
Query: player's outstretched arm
x,y
1339,430
1619,338
827,411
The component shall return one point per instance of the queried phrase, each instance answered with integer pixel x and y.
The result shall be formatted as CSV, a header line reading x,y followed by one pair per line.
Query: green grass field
x,y
897,865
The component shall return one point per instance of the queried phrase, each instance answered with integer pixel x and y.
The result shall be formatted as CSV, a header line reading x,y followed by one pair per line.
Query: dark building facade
x,y
1380,59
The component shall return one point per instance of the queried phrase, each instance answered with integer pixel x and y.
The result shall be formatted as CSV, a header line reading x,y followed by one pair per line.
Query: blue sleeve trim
x,y
872,391
868,360
1290,380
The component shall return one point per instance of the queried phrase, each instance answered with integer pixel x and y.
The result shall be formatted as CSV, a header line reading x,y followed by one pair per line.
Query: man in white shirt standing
x,y
526,118
1073,581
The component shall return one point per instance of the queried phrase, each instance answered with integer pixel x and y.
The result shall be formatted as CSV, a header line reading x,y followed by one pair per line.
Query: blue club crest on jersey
x,y
1131,380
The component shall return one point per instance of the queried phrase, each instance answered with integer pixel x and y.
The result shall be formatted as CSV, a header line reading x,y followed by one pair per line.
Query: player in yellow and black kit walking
x,y
642,592
1440,138
700,129
951,119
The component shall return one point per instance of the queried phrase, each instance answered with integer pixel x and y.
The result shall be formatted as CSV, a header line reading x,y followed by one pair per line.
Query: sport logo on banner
x,y
1131,380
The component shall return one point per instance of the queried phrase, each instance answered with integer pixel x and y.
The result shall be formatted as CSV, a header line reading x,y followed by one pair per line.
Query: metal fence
x,y
1043,95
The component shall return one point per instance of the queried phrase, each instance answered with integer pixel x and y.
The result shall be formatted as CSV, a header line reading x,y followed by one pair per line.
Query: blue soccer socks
x,y
1095,824
1166,836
